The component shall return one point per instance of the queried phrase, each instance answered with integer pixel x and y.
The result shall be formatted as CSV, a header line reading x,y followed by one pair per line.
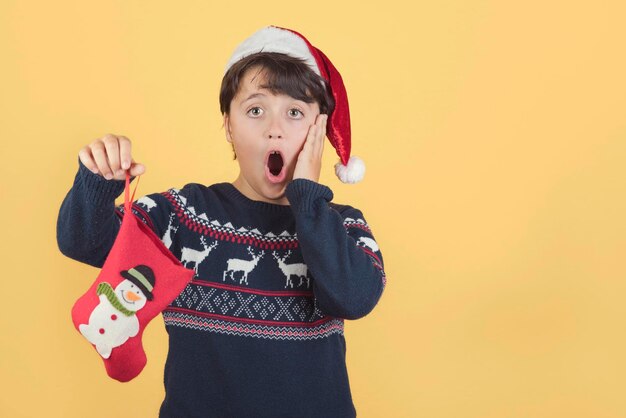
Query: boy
x,y
259,330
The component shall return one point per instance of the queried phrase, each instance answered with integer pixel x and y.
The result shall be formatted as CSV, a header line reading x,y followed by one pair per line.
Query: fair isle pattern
x,y
232,310
281,332
138,210
362,225
248,304
236,310
377,264
358,223
200,223
374,258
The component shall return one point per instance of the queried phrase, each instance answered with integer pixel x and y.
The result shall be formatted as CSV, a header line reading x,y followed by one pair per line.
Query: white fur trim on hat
x,y
353,172
273,39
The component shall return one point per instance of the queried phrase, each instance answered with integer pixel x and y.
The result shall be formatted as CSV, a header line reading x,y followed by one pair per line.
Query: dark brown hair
x,y
285,75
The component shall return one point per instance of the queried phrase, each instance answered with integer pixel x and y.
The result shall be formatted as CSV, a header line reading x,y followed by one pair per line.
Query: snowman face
x,y
130,295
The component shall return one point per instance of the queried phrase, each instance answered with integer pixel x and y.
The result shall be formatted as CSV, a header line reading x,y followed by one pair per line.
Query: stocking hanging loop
x,y
129,202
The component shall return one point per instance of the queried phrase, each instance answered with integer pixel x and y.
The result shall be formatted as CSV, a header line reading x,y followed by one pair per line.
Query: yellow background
x,y
494,136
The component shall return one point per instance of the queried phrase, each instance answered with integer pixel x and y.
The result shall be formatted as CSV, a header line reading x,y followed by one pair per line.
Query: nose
x,y
132,296
274,128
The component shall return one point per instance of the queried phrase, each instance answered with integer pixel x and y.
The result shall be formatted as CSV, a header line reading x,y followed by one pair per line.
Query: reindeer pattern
x,y
235,265
254,264
147,203
284,269
190,255
236,268
293,269
169,232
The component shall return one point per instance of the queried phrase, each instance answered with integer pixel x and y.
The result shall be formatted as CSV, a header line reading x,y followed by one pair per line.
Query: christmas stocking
x,y
139,278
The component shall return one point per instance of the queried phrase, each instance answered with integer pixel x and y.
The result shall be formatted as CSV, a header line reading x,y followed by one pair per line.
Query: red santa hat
x,y
276,39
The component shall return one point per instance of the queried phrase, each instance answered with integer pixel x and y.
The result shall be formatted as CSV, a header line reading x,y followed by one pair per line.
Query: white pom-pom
x,y
353,172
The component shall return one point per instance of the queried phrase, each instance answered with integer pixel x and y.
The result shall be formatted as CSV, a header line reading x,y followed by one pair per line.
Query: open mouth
x,y
275,167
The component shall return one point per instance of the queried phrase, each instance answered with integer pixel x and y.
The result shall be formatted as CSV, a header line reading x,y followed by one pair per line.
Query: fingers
x,y
110,156
99,153
87,159
137,169
316,133
125,157
322,135
309,161
112,146
317,136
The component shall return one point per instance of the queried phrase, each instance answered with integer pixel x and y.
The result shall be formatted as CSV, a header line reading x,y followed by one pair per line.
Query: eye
x,y
296,112
255,111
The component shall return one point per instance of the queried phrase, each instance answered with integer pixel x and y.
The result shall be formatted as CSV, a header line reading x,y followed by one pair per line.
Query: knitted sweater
x,y
259,330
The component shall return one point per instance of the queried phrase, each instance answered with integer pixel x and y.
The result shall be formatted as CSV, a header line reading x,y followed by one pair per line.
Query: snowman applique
x,y
113,321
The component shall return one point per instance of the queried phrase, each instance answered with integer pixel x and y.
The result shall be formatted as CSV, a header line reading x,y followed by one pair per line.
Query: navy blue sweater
x,y
259,330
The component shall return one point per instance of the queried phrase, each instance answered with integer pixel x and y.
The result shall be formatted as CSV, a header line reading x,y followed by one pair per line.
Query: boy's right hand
x,y
110,157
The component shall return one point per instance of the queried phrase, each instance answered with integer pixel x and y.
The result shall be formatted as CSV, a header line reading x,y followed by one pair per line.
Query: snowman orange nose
x,y
132,296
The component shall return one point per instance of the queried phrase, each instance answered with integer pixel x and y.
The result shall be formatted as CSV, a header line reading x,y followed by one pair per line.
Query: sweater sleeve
x,y
89,221
339,250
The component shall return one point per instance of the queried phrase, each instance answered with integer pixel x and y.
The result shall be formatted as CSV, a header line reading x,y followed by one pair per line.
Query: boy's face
x,y
260,123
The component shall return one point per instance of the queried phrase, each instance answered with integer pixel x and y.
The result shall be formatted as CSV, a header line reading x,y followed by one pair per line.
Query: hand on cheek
x,y
309,164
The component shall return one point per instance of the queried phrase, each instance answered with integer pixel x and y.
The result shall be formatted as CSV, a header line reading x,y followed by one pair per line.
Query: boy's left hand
x,y
309,164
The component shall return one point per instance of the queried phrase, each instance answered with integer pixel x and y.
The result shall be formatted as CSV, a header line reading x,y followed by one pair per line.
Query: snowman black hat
x,y
142,276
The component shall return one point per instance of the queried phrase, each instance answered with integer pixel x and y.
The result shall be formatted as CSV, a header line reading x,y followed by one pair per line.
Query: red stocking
x,y
139,278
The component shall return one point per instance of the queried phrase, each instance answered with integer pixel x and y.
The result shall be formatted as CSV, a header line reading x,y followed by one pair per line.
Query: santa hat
x,y
277,39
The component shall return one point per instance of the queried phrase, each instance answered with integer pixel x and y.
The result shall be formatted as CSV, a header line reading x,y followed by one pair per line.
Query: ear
x,y
227,128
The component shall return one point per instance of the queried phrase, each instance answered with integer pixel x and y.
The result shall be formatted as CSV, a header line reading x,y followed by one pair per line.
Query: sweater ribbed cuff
x,y
98,190
303,194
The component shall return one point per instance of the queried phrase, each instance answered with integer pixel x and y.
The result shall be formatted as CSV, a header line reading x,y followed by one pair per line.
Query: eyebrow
x,y
252,96
255,95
